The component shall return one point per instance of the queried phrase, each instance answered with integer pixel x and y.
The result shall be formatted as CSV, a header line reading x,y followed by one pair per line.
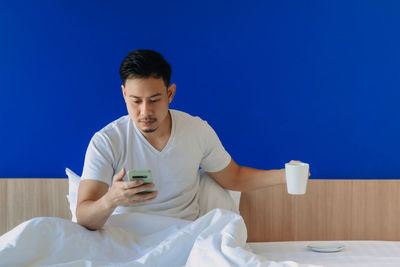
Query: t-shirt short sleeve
x,y
215,157
99,160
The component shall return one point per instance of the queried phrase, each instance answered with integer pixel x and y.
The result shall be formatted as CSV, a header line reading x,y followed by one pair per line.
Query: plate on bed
x,y
326,247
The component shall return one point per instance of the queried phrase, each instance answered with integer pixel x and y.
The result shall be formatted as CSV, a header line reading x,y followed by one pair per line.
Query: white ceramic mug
x,y
296,178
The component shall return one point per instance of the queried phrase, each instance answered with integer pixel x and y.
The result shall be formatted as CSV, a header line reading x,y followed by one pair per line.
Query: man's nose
x,y
145,109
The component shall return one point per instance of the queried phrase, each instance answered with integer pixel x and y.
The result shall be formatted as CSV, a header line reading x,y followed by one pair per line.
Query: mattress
x,y
354,253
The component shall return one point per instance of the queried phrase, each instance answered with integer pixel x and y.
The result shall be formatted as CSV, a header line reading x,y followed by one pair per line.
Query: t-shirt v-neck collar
x,y
150,146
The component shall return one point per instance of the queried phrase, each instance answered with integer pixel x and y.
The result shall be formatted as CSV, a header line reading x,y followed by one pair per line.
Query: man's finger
x,y
145,197
132,184
144,187
120,175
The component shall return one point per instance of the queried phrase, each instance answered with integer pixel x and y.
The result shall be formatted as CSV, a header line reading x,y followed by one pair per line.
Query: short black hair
x,y
142,63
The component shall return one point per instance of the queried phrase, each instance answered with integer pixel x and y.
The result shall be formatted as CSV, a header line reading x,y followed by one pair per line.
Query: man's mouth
x,y
147,122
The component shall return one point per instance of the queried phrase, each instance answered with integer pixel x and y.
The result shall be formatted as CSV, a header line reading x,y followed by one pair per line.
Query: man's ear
x,y
171,92
123,91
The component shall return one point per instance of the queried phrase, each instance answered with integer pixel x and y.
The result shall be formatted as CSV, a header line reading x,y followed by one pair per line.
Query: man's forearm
x,y
94,214
249,179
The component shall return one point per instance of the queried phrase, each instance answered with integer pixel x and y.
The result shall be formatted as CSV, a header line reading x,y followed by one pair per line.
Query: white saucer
x,y
326,247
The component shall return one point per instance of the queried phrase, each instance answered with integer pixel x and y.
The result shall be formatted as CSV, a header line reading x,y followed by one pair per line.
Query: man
x,y
171,143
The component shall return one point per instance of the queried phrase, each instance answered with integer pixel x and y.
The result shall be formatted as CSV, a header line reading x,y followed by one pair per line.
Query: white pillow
x,y
73,184
211,194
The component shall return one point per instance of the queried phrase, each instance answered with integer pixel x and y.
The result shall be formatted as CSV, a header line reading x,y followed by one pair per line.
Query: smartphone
x,y
144,175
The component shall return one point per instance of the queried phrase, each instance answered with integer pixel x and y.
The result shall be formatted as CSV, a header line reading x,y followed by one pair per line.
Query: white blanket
x,y
215,239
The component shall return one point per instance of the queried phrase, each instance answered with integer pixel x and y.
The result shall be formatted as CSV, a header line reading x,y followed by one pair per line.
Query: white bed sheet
x,y
355,253
216,239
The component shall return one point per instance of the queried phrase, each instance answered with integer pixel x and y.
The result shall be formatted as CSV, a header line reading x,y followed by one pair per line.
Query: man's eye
x,y
153,101
137,102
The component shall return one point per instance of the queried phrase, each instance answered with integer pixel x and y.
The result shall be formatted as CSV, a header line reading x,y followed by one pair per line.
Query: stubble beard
x,y
149,130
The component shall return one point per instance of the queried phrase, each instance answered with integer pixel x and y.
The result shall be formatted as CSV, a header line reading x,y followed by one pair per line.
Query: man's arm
x,y
96,203
93,209
244,179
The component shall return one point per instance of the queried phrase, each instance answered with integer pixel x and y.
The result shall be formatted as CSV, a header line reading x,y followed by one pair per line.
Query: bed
x,y
363,216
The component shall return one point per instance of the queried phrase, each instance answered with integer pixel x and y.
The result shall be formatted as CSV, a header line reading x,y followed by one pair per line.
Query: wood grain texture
x,y
330,210
3,206
24,199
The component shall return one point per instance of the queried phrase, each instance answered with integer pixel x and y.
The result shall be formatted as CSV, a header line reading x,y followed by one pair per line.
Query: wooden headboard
x,y
23,199
331,209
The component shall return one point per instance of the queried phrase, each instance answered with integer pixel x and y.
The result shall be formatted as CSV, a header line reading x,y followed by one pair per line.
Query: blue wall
x,y
314,80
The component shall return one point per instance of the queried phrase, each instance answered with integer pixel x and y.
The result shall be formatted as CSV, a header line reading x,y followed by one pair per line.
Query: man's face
x,y
147,101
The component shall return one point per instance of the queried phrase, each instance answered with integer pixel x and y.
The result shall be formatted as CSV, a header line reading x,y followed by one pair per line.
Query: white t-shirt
x,y
175,169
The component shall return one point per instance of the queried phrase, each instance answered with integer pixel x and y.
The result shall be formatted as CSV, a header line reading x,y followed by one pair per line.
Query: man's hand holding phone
x,y
126,193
